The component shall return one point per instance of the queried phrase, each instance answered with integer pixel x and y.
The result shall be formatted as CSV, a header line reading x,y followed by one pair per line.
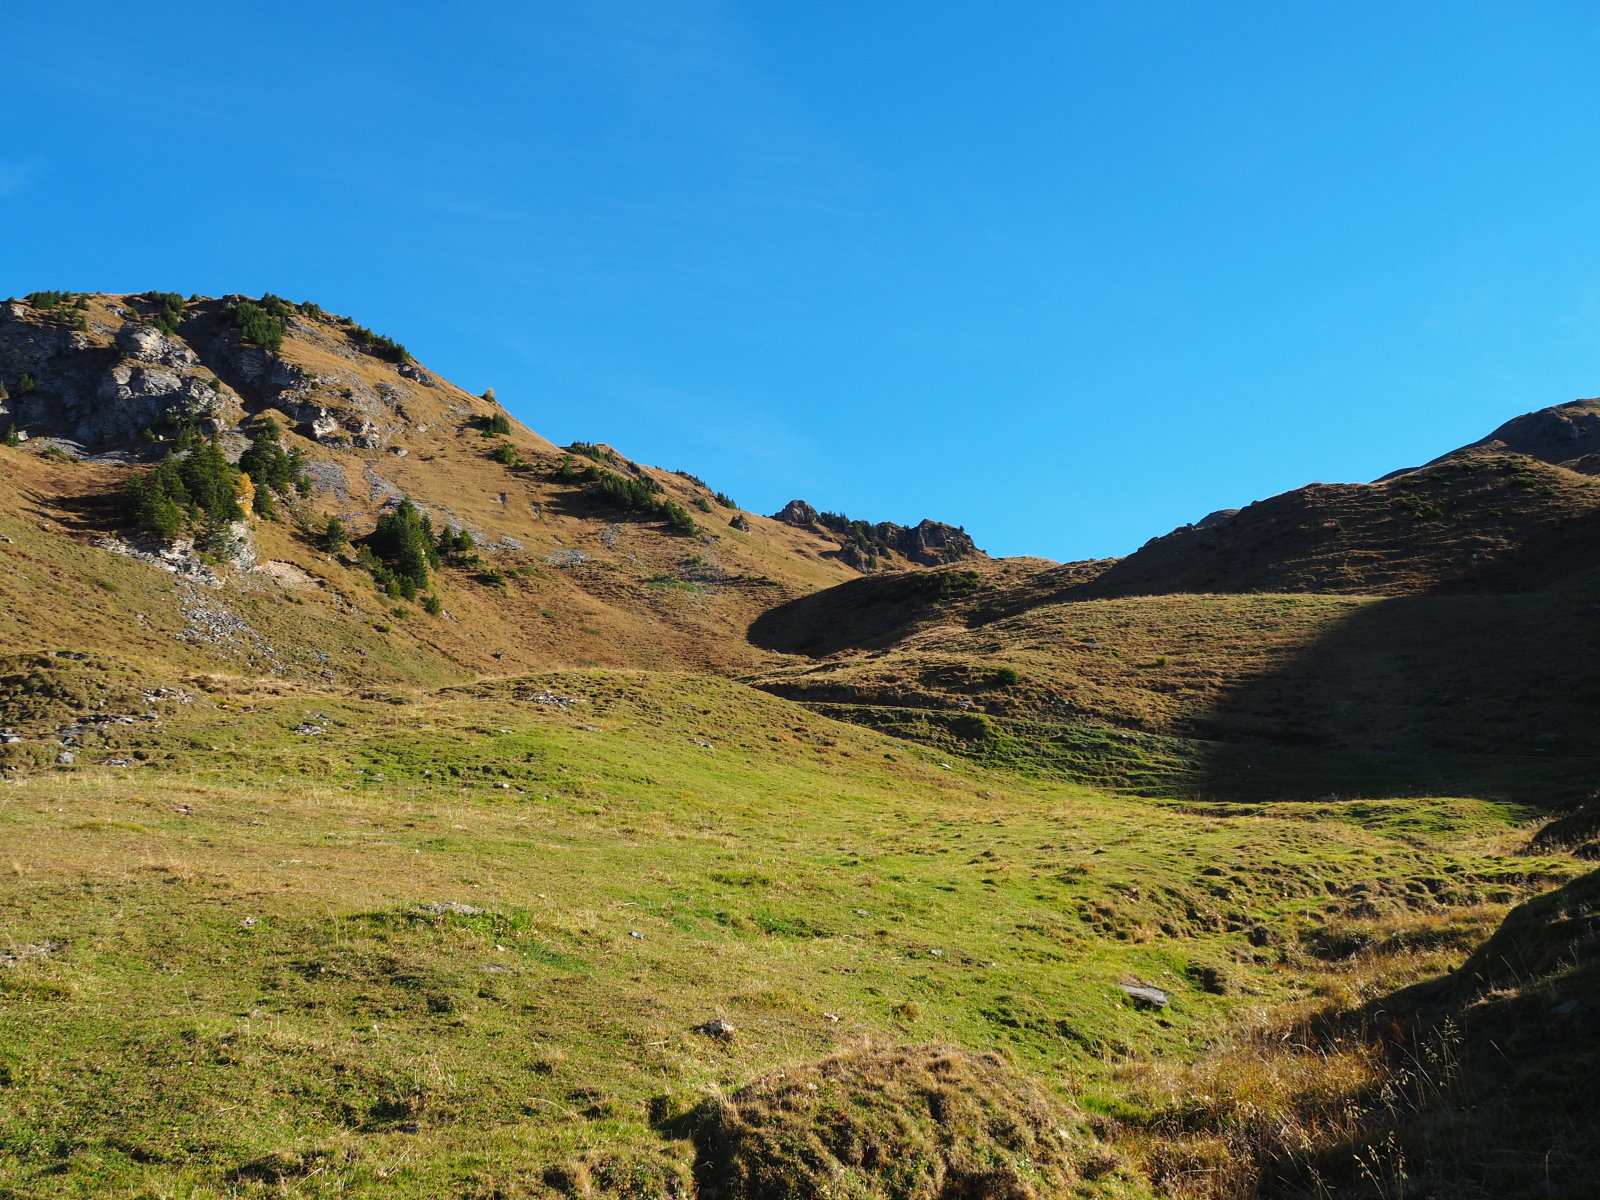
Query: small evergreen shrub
x,y
455,547
631,494
949,585
379,346
169,311
257,324
496,425
678,519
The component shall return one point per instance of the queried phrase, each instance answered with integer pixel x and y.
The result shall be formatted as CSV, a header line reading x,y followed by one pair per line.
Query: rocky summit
x,y
396,803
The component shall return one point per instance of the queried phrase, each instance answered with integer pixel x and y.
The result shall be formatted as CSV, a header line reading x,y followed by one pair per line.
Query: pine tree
x,y
272,468
403,542
211,483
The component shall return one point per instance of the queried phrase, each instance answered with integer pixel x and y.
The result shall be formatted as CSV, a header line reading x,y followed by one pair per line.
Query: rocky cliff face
x,y
117,382
868,547
102,387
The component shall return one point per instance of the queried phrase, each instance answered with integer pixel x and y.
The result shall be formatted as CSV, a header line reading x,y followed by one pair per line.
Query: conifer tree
x,y
403,541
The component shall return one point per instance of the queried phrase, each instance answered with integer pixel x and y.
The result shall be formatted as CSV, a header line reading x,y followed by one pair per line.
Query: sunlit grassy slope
x,y
226,976
308,891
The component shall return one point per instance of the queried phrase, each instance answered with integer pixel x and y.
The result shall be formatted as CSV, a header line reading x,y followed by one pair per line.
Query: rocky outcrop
x,y
931,542
148,344
103,393
871,547
109,387
133,397
797,513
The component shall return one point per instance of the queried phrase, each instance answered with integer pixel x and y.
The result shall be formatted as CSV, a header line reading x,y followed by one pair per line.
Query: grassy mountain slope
x,y
1327,693
226,977
1491,523
311,891
1434,631
589,583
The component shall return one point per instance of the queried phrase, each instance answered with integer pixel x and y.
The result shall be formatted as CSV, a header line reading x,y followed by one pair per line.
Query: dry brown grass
x,y
1302,1091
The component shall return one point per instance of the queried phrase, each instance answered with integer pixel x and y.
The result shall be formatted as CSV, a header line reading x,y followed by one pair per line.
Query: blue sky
x,y
1067,273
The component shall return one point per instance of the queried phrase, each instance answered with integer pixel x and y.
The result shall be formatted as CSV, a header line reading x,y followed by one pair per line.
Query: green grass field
x,y
458,942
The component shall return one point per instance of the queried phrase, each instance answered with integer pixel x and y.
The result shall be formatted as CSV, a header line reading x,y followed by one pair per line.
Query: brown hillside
x,y
1434,618
1565,434
99,390
1489,523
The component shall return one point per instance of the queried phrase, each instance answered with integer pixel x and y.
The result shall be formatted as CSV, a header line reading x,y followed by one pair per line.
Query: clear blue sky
x,y
1068,273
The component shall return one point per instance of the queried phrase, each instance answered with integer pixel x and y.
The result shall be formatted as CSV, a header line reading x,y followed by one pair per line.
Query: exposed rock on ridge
x,y
865,546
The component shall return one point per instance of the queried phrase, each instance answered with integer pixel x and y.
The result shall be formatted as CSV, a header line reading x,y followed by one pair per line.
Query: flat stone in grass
x,y
452,906
1145,996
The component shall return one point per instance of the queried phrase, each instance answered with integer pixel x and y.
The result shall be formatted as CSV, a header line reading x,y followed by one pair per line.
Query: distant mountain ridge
x,y
581,556
1566,435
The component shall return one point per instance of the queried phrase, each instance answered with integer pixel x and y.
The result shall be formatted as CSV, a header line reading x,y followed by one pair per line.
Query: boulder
x,y
1145,996
148,344
797,513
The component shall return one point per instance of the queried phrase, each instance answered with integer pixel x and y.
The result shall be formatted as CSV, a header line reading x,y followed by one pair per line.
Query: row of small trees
x,y
630,493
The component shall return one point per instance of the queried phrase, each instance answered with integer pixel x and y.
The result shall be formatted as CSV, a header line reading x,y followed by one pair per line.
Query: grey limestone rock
x,y
798,513
1145,995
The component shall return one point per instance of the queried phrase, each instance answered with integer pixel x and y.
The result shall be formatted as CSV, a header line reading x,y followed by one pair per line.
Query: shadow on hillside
x,y
863,613
875,611
1473,695
1493,1073
90,512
